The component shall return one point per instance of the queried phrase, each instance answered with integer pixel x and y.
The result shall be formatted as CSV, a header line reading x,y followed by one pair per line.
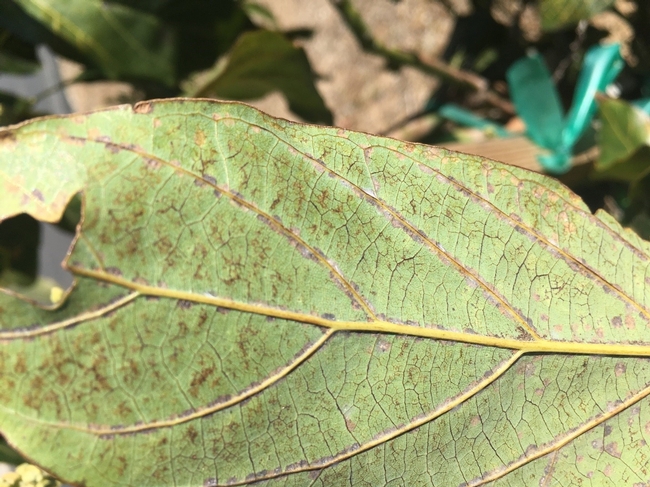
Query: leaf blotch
x,y
7,136
143,107
38,195
192,434
209,179
612,449
114,271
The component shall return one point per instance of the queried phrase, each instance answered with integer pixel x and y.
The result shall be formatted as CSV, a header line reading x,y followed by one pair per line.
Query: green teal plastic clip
x,y
537,102
465,117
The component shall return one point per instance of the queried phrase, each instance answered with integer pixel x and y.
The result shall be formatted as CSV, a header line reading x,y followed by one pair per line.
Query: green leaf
x,y
16,51
24,32
123,42
17,65
259,14
204,30
624,132
19,242
635,167
15,109
564,13
259,63
19,239
263,301
8,454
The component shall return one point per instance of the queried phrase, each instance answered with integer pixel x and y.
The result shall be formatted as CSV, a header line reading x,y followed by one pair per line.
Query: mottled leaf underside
x,y
263,302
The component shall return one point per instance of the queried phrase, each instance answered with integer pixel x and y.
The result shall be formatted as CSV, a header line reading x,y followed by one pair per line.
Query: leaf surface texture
x,y
263,302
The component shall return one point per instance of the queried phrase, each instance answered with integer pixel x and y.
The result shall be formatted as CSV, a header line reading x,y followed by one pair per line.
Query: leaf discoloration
x,y
264,302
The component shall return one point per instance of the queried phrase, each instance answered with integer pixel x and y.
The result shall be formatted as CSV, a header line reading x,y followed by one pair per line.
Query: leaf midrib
x,y
526,346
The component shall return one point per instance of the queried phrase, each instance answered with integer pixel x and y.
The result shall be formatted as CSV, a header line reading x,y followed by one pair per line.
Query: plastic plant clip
x,y
601,67
537,102
462,116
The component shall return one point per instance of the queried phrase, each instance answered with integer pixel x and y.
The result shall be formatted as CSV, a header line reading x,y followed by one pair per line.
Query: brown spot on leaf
x,y
209,179
647,428
78,141
383,346
153,163
612,449
199,138
94,133
192,434
114,271
21,366
122,464
199,379
7,136
143,107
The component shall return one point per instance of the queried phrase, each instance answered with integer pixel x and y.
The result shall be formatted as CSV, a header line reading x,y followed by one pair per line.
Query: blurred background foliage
x,y
432,71
157,46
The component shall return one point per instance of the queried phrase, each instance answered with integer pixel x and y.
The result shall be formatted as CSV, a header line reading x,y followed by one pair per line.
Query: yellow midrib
x,y
538,345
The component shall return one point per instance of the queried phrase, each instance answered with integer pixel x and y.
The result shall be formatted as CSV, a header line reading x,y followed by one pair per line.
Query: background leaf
x,y
624,131
8,455
19,238
28,32
13,64
16,56
14,109
122,41
265,302
564,13
261,62
202,31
